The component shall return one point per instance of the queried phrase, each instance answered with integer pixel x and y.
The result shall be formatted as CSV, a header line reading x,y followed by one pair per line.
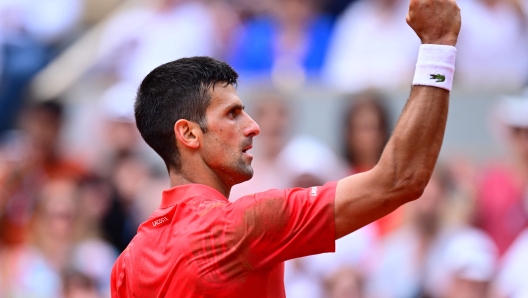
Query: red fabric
x,y
198,244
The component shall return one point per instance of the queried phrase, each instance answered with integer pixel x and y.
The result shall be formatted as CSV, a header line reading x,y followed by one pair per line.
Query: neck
x,y
196,176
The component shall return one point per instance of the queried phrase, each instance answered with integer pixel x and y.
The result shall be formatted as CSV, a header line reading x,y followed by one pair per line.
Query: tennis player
x,y
198,244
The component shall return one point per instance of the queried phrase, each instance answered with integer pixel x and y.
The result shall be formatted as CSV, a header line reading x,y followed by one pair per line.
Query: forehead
x,y
223,96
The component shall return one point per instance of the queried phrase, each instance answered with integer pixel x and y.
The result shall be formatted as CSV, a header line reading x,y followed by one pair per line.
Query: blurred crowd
x,y
66,212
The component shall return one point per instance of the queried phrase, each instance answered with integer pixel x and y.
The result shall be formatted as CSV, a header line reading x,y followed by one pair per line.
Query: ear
x,y
187,133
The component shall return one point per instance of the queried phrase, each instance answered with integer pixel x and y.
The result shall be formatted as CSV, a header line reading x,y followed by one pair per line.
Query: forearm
x,y
410,155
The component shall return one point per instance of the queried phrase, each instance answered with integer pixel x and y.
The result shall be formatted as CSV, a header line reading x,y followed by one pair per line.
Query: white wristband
x,y
435,66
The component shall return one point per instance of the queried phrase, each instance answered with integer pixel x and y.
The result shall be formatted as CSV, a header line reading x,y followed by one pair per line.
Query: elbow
x,y
415,191
412,186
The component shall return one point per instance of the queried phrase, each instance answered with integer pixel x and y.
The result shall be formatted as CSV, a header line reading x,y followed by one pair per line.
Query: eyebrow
x,y
236,106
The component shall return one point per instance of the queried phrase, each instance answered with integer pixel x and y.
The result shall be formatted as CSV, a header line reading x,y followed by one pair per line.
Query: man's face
x,y
229,135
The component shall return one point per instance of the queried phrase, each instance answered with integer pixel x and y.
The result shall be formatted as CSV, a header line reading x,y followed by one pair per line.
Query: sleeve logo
x,y
313,192
438,77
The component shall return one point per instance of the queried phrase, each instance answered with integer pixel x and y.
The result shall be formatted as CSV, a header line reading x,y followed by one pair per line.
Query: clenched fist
x,y
435,21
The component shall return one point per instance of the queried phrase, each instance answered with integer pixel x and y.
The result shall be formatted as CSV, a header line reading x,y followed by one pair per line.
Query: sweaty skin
x,y
411,153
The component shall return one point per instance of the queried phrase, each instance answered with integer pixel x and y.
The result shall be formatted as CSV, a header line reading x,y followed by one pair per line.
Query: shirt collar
x,y
183,193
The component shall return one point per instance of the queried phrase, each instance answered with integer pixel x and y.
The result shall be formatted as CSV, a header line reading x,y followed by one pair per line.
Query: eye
x,y
233,112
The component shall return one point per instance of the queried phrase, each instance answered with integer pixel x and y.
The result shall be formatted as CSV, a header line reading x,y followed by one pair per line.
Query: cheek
x,y
217,148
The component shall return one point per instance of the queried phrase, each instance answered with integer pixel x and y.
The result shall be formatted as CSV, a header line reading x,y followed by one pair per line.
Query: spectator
x,y
366,131
357,61
120,223
32,156
511,280
93,256
469,265
119,135
55,221
138,40
501,210
30,32
43,125
290,44
424,258
125,198
78,285
492,46
345,283
59,233
24,272
311,163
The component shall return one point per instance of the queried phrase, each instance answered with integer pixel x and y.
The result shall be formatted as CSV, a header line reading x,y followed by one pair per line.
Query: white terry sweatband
x,y
435,66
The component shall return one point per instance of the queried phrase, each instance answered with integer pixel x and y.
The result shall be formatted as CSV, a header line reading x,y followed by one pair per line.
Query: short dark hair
x,y
173,91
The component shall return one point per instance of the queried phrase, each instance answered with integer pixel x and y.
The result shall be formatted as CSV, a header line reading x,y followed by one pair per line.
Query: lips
x,y
247,148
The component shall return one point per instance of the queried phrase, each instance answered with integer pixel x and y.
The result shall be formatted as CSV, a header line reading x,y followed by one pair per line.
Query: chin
x,y
243,175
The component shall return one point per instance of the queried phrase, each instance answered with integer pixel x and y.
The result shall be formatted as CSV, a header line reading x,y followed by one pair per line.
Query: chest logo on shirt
x,y
313,193
158,222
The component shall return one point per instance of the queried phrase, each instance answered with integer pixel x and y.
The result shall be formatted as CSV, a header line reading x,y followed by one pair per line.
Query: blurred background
x,y
326,81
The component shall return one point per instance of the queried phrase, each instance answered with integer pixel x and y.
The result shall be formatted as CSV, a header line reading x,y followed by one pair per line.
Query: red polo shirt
x,y
198,244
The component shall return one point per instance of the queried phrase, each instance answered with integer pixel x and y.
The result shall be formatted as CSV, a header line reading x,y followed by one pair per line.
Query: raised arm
x,y
411,153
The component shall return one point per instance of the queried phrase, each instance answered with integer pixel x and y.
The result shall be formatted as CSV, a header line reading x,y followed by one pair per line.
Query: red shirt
x,y
500,206
198,244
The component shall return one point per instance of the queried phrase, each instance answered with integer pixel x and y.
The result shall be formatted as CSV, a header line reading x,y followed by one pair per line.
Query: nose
x,y
252,129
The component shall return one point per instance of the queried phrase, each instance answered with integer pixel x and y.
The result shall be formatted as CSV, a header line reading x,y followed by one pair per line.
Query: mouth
x,y
247,148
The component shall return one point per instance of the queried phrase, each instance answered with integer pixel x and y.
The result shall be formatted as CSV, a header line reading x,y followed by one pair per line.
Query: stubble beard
x,y
242,171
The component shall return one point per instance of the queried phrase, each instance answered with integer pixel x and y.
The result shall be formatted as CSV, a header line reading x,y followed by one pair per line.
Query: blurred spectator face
x,y
121,136
345,283
426,211
77,285
272,118
294,11
42,126
129,175
464,288
512,113
94,199
117,109
58,208
366,132
519,137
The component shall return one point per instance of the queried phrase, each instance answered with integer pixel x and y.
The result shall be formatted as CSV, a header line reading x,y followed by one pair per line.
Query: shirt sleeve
x,y
278,225
118,278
